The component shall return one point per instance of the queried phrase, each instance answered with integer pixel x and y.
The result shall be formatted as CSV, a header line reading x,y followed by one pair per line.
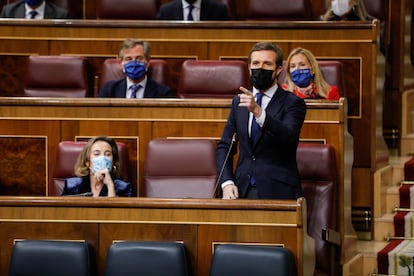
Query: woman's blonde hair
x,y
83,161
322,87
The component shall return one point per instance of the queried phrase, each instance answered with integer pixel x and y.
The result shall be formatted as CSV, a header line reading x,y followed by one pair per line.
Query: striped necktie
x,y
135,89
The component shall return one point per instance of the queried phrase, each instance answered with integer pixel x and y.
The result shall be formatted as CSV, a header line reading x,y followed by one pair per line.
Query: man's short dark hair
x,y
267,46
131,43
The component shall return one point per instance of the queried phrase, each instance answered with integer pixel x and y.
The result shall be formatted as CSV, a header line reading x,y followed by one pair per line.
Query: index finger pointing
x,y
246,91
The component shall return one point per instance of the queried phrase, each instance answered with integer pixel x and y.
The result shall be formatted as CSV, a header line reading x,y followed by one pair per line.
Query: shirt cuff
x,y
260,121
226,183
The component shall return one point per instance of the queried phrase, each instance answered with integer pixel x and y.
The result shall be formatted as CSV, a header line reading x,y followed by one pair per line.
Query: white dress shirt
x,y
196,10
140,92
40,11
267,96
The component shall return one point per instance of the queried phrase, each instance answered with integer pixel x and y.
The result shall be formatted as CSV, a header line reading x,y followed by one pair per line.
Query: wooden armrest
x,y
331,236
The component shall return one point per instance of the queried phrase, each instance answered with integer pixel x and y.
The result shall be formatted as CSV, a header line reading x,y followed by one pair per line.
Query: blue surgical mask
x,y
33,3
135,69
302,77
100,163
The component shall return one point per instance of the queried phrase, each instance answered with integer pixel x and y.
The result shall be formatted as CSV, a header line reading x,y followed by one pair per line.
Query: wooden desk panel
x,y
199,224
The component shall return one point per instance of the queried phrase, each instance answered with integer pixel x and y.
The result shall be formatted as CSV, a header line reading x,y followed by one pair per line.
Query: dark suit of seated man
x,y
135,57
200,10
33,9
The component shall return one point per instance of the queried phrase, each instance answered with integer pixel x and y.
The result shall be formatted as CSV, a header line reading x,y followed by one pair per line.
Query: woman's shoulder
x,y
334,93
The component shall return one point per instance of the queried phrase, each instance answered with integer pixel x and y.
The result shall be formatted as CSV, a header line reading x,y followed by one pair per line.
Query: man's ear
x,y
278,70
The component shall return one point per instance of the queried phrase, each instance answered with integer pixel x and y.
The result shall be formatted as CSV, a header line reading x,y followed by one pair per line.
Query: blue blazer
x,y
210,10
82,185
17,10
272,159
117,89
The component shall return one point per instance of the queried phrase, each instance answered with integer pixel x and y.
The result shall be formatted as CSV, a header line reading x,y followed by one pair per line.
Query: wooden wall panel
x,y
33,143
23,165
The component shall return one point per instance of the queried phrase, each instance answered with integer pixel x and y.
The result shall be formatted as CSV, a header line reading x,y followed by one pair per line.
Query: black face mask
x,y
262,78
190,1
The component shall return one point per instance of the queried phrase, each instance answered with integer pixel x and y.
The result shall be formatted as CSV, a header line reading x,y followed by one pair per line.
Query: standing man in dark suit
x,y
135,56
266,167
193,10
33,9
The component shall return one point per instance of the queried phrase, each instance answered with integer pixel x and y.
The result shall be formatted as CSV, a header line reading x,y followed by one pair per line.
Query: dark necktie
x,y
190,13
255,129
135,89
33,14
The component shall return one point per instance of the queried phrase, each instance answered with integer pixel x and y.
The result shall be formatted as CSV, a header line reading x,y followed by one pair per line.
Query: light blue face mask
x,y
100,163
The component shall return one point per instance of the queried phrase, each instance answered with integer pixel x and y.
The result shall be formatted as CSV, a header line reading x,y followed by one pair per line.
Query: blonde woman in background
x,y
304,77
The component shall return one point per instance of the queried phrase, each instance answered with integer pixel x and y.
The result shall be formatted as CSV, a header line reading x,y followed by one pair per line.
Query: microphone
x,y
82,194
233,140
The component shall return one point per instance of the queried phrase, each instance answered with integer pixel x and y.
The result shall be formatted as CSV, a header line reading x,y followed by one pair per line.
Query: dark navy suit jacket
x,y
17,10
210,10
117,89
272,159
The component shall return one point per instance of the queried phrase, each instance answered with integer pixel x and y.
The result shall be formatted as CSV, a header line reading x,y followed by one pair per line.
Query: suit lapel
x,y
276,102
122,90
203,10
49,12
149,90
20,11
179,9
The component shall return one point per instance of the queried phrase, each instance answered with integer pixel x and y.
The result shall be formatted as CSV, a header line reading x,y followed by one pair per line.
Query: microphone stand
x,y
82,194
233,140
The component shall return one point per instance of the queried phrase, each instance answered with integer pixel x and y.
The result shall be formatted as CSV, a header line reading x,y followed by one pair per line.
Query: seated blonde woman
x,y
97,169
304,77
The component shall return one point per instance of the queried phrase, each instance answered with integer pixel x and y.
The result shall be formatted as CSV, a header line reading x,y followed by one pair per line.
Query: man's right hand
x,y
230,192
